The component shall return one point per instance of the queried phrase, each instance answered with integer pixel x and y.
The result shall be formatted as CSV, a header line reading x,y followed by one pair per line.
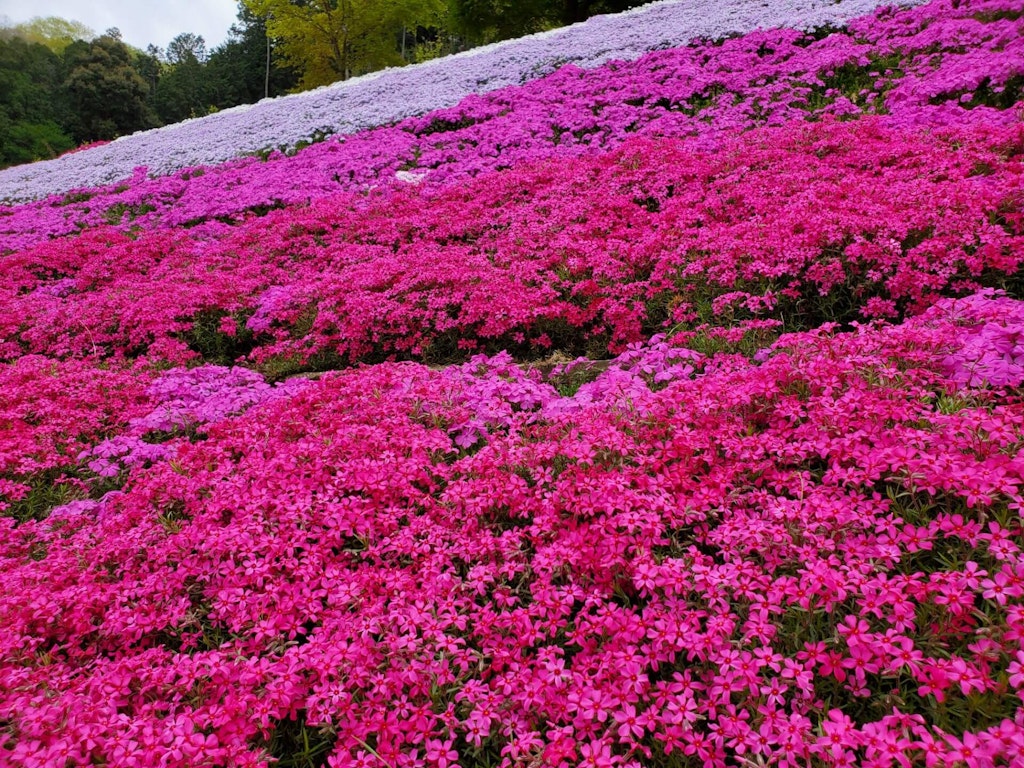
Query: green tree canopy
x,y
51,31
186,47
182,90
329,40
240,70
486,21
31,105
107,94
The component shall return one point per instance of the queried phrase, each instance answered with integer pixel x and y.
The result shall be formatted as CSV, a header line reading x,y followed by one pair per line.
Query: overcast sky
x,y
141,21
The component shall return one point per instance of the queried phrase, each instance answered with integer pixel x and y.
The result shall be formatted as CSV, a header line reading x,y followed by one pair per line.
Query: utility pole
x,y
266,79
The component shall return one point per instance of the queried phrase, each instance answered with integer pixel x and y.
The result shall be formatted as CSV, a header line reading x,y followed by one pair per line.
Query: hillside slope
x,y
664,413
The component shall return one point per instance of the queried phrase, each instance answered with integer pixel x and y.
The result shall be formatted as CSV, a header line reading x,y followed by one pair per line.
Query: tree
x,y
186,47
51,31
149,65
239,70
486,21
107,94
31,108
23,142
329,40
182,90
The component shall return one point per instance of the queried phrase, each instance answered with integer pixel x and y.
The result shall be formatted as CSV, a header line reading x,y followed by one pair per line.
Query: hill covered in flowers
x,y
661,411
383,98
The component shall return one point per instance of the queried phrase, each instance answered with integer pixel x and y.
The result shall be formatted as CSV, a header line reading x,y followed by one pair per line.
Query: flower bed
x,y
894,64
386,97
781,527
814,559
798,225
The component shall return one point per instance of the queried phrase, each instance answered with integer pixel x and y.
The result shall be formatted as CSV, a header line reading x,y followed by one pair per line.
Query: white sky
x,y
141,21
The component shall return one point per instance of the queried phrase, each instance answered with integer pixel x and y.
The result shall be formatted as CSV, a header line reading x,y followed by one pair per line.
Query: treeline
x,y
57,93
63,86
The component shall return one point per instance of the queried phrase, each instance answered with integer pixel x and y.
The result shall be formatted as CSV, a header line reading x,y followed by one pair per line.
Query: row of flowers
x,y
386,97
796,226
897,64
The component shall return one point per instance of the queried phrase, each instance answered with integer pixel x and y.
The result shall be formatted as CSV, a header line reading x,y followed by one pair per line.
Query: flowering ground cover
x,y
796,225
810,558
667,413
898,65
382,98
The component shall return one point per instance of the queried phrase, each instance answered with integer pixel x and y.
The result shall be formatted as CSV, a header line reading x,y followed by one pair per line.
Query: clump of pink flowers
x,y
992,350
184,400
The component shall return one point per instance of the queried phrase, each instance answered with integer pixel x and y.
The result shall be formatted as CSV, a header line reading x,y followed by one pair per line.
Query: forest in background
x,y
63,86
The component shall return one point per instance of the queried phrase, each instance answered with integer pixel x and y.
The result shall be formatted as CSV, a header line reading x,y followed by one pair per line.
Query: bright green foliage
x,y
329,40
26,142
52,32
